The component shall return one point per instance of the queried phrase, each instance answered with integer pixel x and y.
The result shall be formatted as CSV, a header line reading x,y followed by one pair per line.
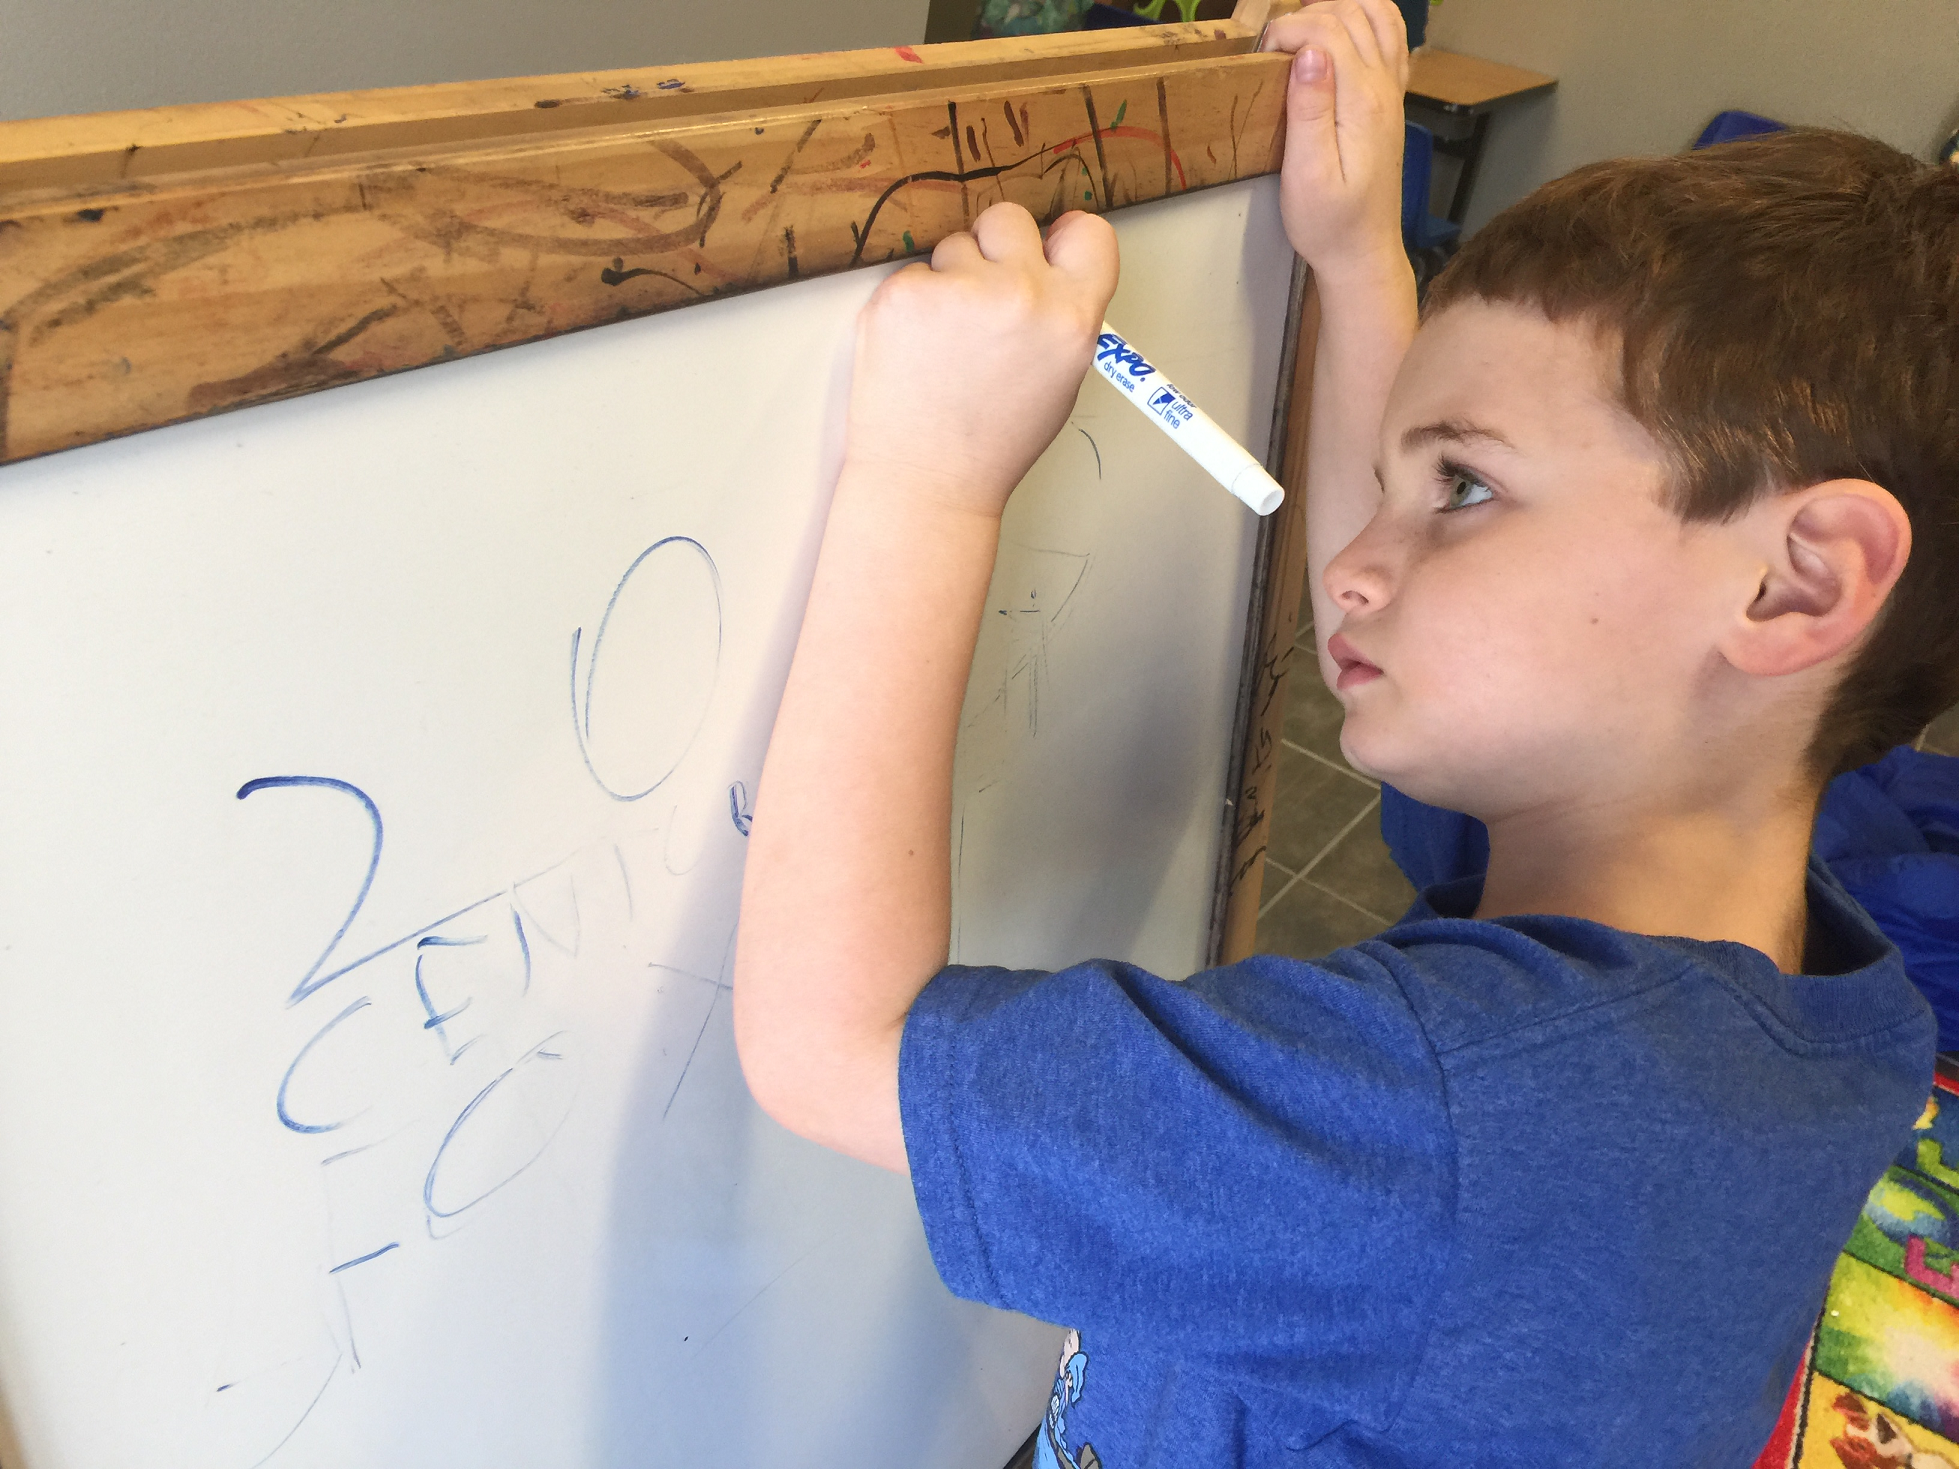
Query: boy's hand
x,y
966,370
1340,185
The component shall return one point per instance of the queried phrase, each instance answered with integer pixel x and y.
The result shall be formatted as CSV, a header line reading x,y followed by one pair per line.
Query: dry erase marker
x,y
1221,456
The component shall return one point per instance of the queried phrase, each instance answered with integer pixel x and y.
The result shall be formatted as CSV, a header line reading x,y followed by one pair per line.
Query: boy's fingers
x,y
1390,34
1355,21
955,250
1283,34
1373,28
1290,32
1007,232
1083,248
1331,36
894,296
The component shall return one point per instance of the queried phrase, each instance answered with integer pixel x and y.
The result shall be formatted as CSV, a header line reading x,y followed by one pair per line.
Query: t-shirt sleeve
x,y
1432,846
1254,1166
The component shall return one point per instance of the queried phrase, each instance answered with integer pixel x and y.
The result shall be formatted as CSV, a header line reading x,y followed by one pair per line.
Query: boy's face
x,y
1543,625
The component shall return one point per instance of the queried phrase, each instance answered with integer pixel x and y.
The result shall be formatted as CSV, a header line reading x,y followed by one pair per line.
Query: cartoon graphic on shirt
x,y
1870,1439
1051,1446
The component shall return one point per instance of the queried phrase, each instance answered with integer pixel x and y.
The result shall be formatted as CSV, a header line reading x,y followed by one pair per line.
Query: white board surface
x,y
373,770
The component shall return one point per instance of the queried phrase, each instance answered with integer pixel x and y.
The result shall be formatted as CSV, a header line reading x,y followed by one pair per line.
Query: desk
x,y
1471,88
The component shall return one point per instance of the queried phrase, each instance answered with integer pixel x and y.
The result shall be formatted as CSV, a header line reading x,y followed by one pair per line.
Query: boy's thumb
x,y
1309,95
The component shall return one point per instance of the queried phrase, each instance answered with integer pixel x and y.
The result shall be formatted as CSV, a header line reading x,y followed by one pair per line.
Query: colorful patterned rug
x,y
1879,1387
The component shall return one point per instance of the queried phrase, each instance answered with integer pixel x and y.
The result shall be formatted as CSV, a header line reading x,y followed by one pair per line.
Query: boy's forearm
x,y
846,901
1367,320
1340,196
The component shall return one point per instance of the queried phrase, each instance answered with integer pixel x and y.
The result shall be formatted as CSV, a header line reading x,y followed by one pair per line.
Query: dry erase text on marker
x,y
1196,433
1121,362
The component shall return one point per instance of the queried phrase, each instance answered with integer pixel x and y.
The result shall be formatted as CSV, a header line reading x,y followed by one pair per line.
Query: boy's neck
x,y
1731,873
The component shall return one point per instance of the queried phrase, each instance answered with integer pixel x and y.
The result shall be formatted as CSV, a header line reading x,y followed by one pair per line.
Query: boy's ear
x,y
1830,554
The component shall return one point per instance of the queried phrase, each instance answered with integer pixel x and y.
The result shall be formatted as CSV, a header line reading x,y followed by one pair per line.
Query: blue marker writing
x,y
1165,405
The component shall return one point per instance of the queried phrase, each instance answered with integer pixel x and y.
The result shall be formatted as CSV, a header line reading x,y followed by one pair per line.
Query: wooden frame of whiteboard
x,y
163,265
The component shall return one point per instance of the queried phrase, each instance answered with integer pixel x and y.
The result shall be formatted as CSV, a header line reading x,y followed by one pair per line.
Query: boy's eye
x,y
1465,489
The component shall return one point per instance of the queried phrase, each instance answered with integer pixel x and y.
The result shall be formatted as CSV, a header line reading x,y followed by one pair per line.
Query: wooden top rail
x,y
107,147
157,266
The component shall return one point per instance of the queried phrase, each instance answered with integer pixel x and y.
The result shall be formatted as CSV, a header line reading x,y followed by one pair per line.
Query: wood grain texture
x,y
1285,586
145,301
109,147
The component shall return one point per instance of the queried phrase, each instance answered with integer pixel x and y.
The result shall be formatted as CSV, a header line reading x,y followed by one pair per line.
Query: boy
x,y
1555,1170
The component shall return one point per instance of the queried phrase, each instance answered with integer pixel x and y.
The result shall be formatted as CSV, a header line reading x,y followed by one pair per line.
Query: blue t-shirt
x,y
1512,1193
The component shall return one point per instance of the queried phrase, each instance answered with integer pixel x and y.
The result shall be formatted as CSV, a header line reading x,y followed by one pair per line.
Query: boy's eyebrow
x,y
1453,431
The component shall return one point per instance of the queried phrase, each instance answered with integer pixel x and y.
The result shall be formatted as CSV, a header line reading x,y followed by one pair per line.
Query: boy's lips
x,y
1354,669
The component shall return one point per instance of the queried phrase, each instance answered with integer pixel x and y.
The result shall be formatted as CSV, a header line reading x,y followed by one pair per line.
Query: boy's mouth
x,y
1354,669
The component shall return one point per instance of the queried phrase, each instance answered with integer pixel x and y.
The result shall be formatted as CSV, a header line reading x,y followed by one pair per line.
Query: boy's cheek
x,y
1512,668
1479,640
1461,722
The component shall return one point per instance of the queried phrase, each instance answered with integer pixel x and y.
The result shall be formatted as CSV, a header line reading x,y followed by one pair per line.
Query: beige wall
x,y
59,56
1644,76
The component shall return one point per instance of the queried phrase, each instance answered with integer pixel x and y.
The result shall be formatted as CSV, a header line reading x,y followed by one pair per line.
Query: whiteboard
x,y
374,775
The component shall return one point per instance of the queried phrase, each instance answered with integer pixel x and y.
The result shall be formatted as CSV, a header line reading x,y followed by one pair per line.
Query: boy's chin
x,y
1417,774
1372,746
1359,760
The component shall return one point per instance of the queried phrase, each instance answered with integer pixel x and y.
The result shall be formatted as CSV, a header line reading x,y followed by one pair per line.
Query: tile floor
x,y
1328,878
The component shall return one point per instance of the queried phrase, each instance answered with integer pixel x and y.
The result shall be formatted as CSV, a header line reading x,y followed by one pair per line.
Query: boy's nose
x,y
1359,578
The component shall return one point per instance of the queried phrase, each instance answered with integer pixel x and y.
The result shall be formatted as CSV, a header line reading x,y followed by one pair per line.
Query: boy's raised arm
x,y
964,372
1340,193
846,901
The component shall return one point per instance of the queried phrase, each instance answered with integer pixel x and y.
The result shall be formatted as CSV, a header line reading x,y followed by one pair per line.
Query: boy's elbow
x,y
837,1090
762,1054
773,1091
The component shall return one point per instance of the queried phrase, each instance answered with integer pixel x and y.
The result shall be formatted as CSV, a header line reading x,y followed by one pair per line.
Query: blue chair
x,y
1428,240
1727,127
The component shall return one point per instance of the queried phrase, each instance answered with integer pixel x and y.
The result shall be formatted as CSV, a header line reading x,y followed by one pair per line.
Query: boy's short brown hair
x,y
1787,311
